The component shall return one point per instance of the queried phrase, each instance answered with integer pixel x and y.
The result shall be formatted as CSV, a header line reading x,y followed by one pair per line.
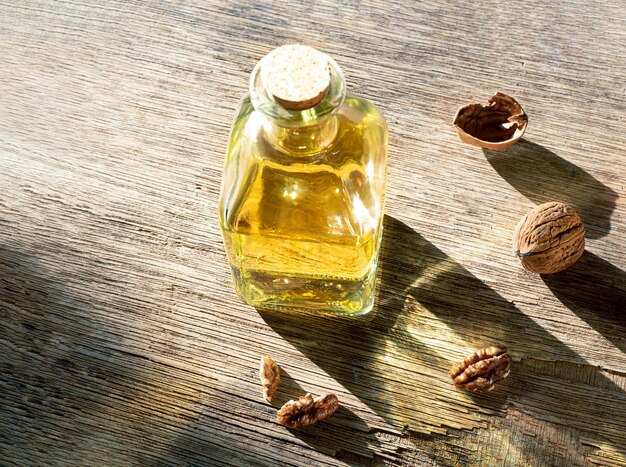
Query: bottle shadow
x,y
595,290
430,312
542,176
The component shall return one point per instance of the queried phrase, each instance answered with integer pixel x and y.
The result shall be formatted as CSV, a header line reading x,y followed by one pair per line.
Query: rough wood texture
x,y
122,340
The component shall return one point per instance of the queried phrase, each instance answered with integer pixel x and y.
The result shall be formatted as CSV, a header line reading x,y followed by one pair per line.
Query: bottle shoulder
x,y
360,138
355,110
360,110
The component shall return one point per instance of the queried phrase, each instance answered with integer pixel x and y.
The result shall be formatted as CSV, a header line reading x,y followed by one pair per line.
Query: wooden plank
x,y
122,340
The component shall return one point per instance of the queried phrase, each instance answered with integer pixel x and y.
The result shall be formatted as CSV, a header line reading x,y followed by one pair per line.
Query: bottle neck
x,y
303,140
304,131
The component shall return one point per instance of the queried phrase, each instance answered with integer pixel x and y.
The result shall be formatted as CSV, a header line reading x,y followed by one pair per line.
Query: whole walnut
x,y
549,239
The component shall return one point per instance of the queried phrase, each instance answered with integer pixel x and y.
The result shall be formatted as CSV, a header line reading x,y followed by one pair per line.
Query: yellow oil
x,y
301,210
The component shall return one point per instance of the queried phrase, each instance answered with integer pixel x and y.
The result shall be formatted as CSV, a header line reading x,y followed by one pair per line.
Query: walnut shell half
x,y
549,239
497,126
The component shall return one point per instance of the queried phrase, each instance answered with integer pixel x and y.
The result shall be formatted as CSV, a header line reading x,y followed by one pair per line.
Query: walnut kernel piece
x,y
549,239
482,369
307,411
497,126
270,377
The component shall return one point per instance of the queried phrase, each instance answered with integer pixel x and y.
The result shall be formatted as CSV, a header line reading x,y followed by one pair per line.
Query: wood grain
x,y
122,340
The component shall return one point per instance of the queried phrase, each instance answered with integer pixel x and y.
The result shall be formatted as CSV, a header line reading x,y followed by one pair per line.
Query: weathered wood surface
x,y
122,341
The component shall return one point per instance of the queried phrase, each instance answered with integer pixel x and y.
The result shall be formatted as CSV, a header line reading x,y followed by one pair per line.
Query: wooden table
x,y
122,341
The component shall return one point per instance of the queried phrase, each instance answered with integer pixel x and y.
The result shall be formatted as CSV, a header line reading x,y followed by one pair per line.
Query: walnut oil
x,y
302,196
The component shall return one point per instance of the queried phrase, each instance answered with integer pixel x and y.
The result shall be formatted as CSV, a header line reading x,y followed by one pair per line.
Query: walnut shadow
x,y
418,279
288,389
542,176
345,436
345,431
595,290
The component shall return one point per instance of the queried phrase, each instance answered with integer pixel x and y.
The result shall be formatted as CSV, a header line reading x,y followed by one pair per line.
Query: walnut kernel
x,y
269,372
306,410
479,371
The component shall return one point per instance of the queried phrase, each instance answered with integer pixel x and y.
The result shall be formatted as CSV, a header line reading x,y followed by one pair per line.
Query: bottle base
x,y
327,295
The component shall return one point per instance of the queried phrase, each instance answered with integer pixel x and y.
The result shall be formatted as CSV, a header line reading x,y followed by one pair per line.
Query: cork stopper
x,y
297,76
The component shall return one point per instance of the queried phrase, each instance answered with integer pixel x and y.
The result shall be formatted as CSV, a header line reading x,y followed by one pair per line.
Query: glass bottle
x,y
301,204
